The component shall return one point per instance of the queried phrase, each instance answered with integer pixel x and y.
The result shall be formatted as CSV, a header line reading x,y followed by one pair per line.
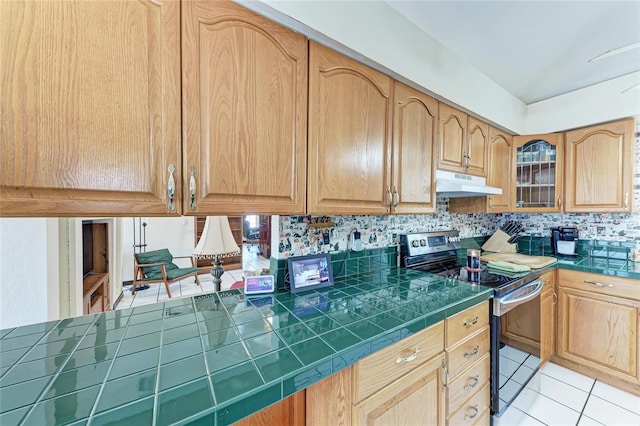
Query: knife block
x,y
498,243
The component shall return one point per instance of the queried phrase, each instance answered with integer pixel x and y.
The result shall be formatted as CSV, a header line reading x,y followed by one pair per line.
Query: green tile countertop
x,y
212,359
600,265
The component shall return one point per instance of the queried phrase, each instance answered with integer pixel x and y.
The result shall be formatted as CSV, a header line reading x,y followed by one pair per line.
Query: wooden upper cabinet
x,y
414,132
599,168
536,179
452,139
244,93
349,135
498,166
90,107
478,139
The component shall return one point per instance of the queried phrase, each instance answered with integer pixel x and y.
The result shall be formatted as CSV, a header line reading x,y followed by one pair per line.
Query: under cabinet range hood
x,y
456,185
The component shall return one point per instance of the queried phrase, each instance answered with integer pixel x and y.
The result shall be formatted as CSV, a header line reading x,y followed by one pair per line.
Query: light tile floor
x,y
251,260
558,396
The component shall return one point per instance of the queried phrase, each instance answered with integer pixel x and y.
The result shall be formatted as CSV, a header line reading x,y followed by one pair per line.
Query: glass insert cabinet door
x,y
538,173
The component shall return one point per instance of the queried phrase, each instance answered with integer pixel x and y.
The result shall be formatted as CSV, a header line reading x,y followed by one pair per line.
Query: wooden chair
x,y
157,267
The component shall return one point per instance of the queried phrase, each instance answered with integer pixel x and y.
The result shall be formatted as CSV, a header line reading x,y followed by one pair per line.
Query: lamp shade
x,y
216,238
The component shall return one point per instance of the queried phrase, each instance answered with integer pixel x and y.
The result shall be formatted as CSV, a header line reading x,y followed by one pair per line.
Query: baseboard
x,y
115,304
126,283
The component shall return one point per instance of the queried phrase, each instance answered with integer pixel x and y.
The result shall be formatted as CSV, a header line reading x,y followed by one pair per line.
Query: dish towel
x,y
507,266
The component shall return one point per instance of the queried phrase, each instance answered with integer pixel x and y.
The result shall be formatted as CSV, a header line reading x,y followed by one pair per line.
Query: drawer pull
x,y
408,358
475,412
472,384
597,284
472,353
470,323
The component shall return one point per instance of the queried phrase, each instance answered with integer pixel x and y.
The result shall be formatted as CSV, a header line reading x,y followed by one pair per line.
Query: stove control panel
x,y
420,243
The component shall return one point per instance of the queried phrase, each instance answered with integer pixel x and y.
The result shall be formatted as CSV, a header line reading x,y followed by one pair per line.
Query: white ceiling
x,y
534,49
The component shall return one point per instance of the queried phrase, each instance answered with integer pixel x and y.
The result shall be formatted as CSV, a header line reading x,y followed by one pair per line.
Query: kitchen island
x,y
215,358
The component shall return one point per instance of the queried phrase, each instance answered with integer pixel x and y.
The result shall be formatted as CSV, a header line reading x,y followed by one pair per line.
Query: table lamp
x,y
216,240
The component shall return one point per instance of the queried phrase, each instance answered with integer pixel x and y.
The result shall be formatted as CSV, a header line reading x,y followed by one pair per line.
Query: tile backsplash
x,y
379,231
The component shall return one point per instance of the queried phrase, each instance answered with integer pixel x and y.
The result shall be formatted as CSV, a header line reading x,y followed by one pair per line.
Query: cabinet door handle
x,y
473,383
389,200
471,323
626,201
445,375
474,412
411,357
474,352
171,188
559,203
396,197
192,188
597,284
555,298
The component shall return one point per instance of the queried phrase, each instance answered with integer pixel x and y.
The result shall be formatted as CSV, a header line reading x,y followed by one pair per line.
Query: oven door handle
x,y
503,305
537,283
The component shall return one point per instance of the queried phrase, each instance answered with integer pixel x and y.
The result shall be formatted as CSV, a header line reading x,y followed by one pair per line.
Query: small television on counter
x,y
310,272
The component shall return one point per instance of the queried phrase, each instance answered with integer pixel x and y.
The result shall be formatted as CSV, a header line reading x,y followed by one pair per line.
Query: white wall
x,y
24,274
378,32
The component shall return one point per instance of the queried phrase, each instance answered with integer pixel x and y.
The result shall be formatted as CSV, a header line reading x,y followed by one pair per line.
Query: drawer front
x,y
381,368
599,283
467,352
472,411
461,325
468,383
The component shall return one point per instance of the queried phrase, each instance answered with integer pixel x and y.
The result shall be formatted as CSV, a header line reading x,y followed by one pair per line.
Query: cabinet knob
x,y
171,187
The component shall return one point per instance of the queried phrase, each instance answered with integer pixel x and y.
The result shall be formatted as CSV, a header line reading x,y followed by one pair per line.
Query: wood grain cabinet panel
x,y
452,139
598,326
90,103
414,133
599,168
244,93
478,140
498,169
417,398
350,115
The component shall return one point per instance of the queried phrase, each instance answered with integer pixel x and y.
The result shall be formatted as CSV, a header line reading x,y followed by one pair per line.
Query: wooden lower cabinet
x,y
468,367
597,330
417,398
407,383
